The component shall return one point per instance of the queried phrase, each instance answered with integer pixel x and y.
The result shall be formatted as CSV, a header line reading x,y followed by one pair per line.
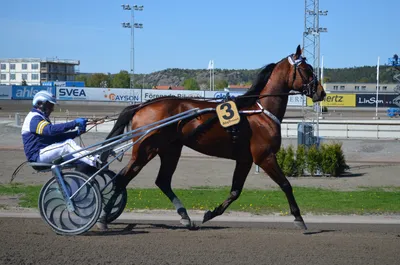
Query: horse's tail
x,y
123,121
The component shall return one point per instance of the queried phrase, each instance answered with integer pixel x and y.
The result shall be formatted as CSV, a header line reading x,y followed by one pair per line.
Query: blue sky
x,y
187,34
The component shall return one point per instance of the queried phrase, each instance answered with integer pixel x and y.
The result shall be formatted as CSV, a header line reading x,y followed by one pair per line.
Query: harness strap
x,y
262,110
269,114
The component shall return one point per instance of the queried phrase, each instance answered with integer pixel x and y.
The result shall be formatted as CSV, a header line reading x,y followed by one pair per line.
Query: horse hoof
x,y
300,224
207,216
102,226
186,222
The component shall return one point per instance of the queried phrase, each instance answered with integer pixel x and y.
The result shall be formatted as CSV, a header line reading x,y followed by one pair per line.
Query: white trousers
x,y
51,152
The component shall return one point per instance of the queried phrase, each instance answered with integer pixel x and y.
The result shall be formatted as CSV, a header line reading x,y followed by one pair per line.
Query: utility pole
x,y
132,25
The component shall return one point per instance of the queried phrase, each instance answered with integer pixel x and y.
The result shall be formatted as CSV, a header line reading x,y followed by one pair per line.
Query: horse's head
x,y
303,79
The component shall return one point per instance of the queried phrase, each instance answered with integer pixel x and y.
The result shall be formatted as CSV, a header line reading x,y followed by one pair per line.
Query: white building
x,y
34,71
360,88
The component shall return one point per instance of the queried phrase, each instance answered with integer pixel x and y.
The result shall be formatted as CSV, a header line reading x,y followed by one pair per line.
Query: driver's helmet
x,y
44,96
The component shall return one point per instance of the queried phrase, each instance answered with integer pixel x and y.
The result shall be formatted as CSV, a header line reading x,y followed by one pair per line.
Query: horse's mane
x,y
256,88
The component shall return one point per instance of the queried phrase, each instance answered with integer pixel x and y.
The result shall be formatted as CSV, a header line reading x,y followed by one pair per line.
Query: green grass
x,y
310,200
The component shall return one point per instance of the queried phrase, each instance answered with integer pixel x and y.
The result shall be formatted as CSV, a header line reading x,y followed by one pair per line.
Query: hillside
x,y
176,77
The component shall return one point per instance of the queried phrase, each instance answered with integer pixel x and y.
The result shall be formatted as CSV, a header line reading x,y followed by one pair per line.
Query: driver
x,y
44,141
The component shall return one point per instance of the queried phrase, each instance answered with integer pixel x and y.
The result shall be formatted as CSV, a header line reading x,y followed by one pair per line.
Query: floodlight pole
x,y
132,25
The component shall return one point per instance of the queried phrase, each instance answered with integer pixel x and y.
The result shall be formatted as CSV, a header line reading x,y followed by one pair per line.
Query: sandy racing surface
x,y
29,241
373,163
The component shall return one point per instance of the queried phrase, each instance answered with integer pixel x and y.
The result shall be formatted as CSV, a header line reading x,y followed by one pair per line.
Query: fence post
x,y
17,119
377,131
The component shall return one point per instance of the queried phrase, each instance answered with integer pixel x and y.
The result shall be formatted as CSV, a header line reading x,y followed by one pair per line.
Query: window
x,y
24,76
357,88
34,66
364,88
3,66
335,87
35,76
341,87
3,77
12,76
12,66
24,66
384,88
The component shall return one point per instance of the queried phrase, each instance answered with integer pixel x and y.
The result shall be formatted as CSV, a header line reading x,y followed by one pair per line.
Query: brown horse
x,y
255,139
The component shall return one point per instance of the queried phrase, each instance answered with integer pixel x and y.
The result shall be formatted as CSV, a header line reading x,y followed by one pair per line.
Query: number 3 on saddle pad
x,y
228,114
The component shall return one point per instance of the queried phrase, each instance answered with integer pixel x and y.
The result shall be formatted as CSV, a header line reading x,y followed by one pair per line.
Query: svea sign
x,y
28,92
71,93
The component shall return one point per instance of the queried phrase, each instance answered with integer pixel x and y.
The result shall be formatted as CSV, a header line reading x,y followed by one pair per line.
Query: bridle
x,y
310,88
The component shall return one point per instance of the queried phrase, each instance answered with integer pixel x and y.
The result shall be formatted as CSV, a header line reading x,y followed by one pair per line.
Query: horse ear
x,y
298,51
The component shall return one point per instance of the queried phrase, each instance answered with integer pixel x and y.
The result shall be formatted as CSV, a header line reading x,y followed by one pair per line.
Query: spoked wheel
x,y
87,203
119,205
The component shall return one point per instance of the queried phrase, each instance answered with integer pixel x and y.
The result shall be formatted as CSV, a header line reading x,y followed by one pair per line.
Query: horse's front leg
x,y
239,177
271,167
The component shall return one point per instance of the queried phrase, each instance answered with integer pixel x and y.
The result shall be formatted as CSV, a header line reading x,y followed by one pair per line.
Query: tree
x,y
204,85
121,80
82,78
97,80
191,84
221,84
364,80
327,79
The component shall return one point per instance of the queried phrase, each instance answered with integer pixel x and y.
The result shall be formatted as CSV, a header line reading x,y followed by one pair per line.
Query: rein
x,y
97,121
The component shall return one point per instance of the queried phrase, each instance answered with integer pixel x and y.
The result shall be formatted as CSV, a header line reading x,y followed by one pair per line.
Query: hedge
x,y
327,160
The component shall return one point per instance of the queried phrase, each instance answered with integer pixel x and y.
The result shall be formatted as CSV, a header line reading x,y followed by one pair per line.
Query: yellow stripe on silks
x,y
44,125
40,127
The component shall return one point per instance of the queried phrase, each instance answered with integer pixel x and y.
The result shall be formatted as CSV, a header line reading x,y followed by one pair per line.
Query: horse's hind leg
x,y
239,177
271,167
169,161
140,157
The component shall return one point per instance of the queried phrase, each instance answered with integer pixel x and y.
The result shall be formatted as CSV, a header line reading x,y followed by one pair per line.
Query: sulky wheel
x,y
104,178
87,203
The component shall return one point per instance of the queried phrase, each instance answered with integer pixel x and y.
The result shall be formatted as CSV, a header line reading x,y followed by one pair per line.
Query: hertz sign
x,y
337,100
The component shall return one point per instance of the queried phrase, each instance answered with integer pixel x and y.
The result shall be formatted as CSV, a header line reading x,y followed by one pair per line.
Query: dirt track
x,y
29,241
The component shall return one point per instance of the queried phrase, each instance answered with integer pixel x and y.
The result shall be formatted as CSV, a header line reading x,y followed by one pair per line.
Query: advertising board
x,y
297,100
122,95
5,92
148,94
98,94
27,92
221,94
337,100
64,83
384,100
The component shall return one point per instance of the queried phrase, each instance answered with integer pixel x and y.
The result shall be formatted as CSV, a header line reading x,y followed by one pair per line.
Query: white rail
x,y
349,129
